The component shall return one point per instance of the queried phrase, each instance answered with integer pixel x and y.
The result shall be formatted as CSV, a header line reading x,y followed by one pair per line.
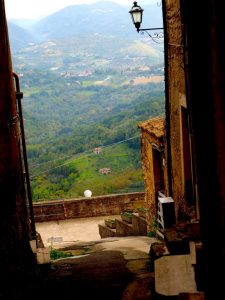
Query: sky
x,y
32,9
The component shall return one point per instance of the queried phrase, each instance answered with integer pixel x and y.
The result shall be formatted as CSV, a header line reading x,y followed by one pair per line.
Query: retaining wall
x,y
87,207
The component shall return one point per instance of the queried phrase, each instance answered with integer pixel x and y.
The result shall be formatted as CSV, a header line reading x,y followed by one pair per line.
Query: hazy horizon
x,y
32,9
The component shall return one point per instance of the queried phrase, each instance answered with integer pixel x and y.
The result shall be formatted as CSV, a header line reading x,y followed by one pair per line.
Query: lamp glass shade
x,y
136,15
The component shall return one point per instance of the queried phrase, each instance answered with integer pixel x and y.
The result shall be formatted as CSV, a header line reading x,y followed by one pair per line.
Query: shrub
x,y
56,254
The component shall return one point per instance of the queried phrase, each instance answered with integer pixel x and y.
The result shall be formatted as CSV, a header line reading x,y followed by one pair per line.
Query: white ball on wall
x,y
87,193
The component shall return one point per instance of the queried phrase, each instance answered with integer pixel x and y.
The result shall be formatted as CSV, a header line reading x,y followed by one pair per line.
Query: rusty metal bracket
x,y
19,95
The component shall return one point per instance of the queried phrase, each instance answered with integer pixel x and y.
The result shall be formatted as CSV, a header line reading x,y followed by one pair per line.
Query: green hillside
x,y
81,172
74,125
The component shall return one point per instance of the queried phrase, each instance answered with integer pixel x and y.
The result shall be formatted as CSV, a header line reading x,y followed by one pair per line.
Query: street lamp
x,y
136,13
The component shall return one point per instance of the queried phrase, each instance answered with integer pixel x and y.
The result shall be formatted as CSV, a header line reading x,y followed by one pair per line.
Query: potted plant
x,y
127,216
111,223
142,212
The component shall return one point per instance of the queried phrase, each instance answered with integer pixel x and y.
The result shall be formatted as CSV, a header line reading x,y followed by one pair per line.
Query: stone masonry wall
x,y
176,99
87,207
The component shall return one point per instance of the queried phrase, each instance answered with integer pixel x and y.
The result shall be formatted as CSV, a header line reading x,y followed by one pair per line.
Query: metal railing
x,y
19,96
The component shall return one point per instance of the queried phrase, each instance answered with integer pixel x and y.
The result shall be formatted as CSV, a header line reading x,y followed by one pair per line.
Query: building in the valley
x,y
104,171
97,150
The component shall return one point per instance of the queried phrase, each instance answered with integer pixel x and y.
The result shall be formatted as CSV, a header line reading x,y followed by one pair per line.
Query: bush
x,y
56,254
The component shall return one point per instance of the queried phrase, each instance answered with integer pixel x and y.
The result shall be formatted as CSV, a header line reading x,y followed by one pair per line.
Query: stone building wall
x,y
176,99
152,135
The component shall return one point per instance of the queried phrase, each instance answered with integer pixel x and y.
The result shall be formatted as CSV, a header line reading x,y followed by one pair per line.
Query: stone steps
x,y
105,231
133,226
123,228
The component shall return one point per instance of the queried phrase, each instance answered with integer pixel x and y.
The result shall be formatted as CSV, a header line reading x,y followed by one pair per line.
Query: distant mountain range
x,y
19,37
101,18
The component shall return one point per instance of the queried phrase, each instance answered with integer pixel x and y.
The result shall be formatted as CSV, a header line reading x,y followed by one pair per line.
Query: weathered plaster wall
x,y
88,207
155,173
147,165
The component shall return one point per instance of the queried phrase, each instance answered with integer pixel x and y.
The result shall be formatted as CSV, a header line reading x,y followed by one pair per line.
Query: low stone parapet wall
x,y
87,207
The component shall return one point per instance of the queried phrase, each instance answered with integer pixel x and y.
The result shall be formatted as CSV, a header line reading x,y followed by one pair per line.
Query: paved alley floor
x,y
113,268
56,233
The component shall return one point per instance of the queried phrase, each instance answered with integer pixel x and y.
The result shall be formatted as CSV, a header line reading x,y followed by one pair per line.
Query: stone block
x,y
158,249
106,232
43,255
174,274
111,223
139,225
124,229
176,244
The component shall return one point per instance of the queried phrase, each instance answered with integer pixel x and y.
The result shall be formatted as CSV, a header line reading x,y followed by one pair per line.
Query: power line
x,y
79,154
53,160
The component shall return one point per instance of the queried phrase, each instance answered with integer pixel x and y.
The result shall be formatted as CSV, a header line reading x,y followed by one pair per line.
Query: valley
x,y
84,90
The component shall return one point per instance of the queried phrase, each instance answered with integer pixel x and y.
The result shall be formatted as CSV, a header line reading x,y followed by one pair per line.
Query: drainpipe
x,y
167,106
19,96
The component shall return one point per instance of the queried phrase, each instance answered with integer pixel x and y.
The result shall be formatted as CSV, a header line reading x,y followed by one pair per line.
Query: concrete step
x,y
105,231
139,225
123,228
174,274
135,226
